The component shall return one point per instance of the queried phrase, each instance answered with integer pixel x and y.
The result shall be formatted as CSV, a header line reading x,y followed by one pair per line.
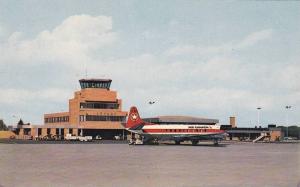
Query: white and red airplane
x,y
150,132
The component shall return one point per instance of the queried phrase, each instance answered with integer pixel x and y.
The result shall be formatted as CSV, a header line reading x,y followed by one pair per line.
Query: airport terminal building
x,y
94,110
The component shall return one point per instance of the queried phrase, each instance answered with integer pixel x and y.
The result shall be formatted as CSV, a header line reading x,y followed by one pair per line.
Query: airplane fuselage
x,y
180,132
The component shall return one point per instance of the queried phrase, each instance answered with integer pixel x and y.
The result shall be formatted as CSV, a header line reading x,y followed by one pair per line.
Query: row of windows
x,y
101,118
179,130
56,131
100,105
57,119
95,85
185,130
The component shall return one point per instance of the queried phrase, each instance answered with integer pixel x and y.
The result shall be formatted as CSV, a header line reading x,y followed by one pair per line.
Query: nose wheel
x,y
195,142
136,141
177,142
216,142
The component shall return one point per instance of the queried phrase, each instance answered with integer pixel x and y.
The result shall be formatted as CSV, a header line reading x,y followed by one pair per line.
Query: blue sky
x,y
201,58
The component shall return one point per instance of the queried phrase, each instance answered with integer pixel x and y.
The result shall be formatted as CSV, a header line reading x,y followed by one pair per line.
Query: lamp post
x,y
14,117
287,119
151,103
258,115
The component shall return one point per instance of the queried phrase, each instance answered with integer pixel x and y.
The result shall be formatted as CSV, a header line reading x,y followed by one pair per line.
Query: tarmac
x,y
114,163
224,142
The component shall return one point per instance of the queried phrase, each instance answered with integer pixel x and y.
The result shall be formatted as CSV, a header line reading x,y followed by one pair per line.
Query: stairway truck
x,y
262,136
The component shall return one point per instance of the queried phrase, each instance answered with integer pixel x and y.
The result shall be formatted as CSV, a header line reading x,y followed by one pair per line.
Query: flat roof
x,y
95,80
181,119
69,126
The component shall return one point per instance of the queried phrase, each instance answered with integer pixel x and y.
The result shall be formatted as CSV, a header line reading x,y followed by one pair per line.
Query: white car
x,y
117,138
85,138
98,137
70,137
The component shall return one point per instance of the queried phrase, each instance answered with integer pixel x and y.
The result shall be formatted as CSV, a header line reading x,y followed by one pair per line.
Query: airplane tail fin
x,y
133,118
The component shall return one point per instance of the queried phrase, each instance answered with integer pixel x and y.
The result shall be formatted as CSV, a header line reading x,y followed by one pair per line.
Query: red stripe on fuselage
x,y
194,131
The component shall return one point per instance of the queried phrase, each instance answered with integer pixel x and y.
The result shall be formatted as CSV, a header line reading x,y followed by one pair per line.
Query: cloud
x,y
186,86
3,32
43,72
254,38
289,76
54,55
199,50
21,96
88,31
37,70
69,42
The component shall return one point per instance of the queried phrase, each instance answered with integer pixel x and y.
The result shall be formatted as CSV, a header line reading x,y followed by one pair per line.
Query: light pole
x,y
287,119
151,103
258,110
14,117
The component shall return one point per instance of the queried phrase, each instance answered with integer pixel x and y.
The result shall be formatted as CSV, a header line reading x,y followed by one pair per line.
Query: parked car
x,y
71,137
48,137
98,137
58,137
289,138
85,138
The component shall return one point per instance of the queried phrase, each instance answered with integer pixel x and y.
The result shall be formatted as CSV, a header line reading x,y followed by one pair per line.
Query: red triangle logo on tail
x,y
133,118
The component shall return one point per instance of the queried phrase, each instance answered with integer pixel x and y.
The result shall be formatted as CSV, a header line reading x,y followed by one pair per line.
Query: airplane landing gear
x,y
177,142
195,142
139,140
131,142
136,142
216,143
155,141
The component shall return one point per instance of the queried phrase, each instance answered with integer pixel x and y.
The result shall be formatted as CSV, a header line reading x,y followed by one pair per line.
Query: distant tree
x,y
3,127
20,122
294,131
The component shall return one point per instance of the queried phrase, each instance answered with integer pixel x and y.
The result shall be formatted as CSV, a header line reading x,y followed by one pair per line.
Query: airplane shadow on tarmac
x,y
198,145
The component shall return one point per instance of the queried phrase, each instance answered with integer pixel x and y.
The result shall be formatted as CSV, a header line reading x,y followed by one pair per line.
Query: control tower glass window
x,y
95,83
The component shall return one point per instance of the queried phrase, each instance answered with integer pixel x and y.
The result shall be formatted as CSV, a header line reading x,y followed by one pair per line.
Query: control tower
x,y
95,83
94,110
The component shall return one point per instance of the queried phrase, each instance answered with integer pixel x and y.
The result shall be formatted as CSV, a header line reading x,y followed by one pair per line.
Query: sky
x,y
211,59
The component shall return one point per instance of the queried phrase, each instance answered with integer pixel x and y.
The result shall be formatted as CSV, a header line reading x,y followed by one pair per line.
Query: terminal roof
x,y
95,80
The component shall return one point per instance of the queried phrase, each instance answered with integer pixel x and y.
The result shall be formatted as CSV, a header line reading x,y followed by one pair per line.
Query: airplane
x,y
152,133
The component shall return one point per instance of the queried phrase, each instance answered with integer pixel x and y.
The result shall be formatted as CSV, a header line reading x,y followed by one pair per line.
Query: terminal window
x,y
99,105
105,118
56,119
95,85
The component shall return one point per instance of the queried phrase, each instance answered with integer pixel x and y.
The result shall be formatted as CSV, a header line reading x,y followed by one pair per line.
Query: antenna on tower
x,y
86,74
